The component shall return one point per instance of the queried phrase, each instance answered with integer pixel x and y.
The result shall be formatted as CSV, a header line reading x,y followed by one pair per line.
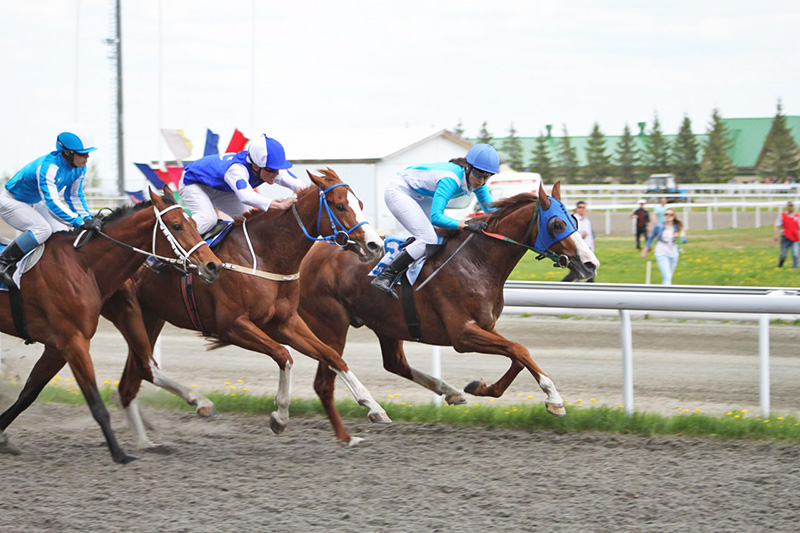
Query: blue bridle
x,y
341,234
546,237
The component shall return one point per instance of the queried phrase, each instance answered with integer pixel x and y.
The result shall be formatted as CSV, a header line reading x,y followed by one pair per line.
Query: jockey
x,y
419,196
47,196
227,182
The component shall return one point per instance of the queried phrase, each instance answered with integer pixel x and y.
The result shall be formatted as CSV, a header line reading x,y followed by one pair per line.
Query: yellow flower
x,y
194,386
116,383
736,416
593,400
621,406
227,383
530,396
239,381
780,418
744,411
232,387
246,389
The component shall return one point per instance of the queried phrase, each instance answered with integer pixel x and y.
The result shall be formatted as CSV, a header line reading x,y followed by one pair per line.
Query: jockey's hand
x,y
92,224
283,205
475,225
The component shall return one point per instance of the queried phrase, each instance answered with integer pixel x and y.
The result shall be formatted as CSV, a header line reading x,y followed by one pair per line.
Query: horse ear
x,y
316,180
556,192
155,197
168,196
544,201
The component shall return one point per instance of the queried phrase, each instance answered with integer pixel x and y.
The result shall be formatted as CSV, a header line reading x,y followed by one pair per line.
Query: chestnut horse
x,y
458,308
250,312
63,293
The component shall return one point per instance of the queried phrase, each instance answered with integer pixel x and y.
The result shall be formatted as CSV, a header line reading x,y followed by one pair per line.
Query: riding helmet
x,y
483,157
265,152
75,139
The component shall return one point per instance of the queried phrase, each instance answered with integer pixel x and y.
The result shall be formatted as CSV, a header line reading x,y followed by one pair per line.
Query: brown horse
x,y
250,312
63,293
458,308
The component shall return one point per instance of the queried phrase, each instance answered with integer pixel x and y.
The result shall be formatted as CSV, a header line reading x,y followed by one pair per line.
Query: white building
x,y
367,160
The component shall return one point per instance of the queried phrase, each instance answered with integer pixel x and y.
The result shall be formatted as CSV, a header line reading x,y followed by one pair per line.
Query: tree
x,y
512,147
780,157
627,157
567,159
597,162
459,130
484,136
717,166
656,156
542,162
684,154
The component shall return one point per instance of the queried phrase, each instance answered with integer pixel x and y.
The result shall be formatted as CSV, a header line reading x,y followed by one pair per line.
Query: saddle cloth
x,y
24,265
392,246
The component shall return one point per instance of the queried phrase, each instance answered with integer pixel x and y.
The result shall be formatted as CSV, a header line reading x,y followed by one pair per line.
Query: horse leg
x,y
394,360
43,371
324,384
295,333
472,338
77,355
247,335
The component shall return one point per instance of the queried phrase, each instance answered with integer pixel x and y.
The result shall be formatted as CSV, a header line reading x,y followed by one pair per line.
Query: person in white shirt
x,y
585,231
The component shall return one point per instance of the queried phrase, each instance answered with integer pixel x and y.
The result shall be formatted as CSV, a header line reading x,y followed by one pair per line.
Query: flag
x,y
178,143
238,142
171,176
212,143
136,197
151,175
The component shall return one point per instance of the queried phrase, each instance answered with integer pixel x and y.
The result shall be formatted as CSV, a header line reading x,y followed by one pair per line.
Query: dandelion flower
x,y
194,386
744,411
530,396
239,381
593,400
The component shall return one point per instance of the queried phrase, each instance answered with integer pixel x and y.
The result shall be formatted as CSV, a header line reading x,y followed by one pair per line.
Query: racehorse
x,y
63,293
459,307
250,312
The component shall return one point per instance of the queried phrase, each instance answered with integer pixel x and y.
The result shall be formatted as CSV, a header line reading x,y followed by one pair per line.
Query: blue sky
x,y
376,64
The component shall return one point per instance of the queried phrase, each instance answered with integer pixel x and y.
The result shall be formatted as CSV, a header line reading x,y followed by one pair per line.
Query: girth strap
x,y
20,325
187,291
410,308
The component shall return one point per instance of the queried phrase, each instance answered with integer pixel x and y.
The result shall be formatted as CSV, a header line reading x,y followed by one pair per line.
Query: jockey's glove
x,y
476,226
92,224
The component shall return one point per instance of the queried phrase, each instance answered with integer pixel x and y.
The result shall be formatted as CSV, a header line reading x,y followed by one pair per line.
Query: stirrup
x,y
378,283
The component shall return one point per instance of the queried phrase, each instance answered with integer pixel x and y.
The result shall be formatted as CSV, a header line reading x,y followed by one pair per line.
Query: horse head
x,y
557,232
343,218
180,237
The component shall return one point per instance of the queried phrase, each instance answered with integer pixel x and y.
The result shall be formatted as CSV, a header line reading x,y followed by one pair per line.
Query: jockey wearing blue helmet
x,y
47,196
419,196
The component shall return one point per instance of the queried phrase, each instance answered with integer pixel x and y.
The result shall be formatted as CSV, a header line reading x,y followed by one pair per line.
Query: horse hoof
x,y
557,410
354,441
455,399
377,417
125,459
276,424
472,387
6,446
159,449
207,411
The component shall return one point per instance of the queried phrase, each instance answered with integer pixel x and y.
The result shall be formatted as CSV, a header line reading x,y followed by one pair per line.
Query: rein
x,y
334,238
182,255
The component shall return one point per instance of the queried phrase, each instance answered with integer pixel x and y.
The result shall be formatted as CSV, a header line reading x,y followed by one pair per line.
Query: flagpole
x,y
160,83
253,73
77,56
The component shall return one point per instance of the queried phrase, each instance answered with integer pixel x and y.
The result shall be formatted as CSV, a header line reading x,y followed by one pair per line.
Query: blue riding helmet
x,y
545,238
483,157
76,139
266,152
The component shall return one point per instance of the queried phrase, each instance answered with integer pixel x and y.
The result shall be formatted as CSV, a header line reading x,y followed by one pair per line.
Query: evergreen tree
x,y
597,162
684,154
780,157
567,159
656,157
627,157
484,136
512,147
459,129
717,166
542,162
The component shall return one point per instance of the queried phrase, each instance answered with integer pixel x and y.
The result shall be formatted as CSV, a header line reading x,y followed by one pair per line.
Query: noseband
x,y
341,234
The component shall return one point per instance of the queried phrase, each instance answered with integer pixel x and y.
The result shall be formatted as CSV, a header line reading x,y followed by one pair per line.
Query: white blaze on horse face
x,y
370,235
585,254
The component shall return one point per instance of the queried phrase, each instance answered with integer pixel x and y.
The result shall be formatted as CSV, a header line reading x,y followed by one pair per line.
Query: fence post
x,y
608,221
763,359
758,216
436,371
734,218
686,218
627,360
709,218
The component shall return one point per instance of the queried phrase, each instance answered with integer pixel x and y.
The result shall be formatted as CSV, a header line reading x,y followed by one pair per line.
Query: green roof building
x,y
747,142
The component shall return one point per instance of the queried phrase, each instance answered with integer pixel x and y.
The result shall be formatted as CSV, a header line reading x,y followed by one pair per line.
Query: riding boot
x,y
8,259
388,278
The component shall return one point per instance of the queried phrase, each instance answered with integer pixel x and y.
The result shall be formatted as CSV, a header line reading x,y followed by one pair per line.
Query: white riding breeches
x,y
413,210
203,201
24,217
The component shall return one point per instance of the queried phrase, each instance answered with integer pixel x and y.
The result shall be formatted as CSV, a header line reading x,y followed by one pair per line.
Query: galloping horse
x,y
63,293
458,308
250,312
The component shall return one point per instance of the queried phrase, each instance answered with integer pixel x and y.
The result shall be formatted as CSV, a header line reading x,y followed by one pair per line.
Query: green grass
x,y
745,257
734,425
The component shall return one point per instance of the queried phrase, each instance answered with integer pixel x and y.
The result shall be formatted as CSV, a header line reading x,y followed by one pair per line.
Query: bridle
x,y
341,234
181,261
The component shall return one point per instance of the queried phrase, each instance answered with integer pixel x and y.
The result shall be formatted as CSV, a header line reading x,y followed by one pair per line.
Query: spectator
x,y
788,222
642,221
585,231
669,237
659,211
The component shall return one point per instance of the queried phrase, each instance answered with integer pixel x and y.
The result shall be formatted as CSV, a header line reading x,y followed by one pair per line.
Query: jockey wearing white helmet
x,y
227,182
46,195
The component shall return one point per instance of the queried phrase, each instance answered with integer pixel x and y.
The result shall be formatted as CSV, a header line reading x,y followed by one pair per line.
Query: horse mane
x,y
326,172
123,211
505,206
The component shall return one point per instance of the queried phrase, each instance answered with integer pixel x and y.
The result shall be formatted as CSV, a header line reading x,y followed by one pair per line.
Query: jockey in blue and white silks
x,y
419,196
227,182
46,195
